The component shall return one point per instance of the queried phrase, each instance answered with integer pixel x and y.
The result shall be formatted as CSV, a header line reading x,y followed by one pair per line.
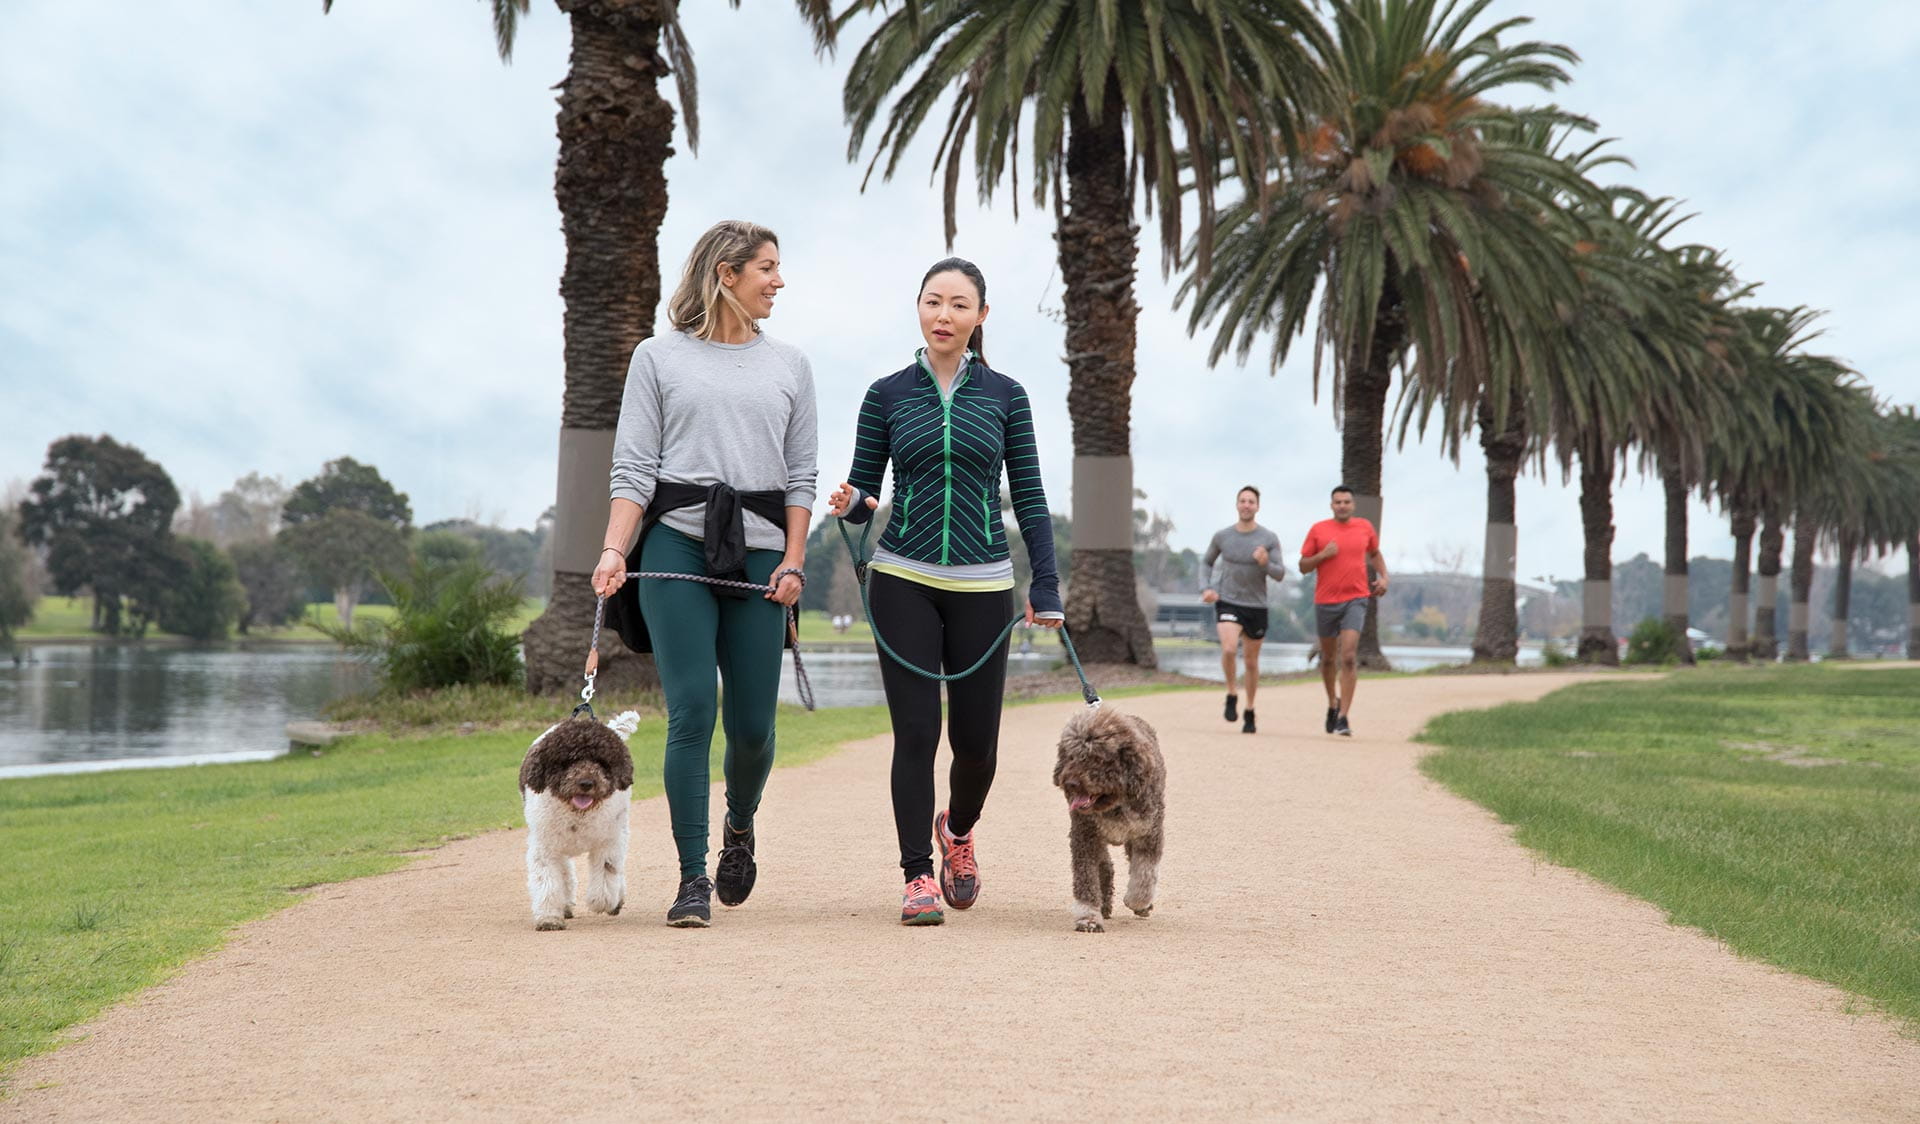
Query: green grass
x,y
70,618
109,882
1776,809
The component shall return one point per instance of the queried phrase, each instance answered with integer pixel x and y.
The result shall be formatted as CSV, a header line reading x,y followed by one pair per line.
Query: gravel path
x,y
1337,939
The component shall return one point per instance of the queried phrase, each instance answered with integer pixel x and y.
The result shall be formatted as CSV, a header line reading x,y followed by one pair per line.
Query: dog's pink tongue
x,y
1076,803
583,802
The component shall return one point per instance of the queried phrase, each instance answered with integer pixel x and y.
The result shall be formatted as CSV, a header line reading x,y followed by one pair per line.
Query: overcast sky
x,y
249,237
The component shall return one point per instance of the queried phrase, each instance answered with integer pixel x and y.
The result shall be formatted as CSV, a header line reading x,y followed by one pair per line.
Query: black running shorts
x,y
1252,620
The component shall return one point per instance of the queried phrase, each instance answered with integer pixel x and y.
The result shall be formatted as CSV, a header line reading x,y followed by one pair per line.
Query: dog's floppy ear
x,y
541,766
621,769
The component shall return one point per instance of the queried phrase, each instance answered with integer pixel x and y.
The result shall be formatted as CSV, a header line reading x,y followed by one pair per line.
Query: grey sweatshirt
x,y
699,412
1229,568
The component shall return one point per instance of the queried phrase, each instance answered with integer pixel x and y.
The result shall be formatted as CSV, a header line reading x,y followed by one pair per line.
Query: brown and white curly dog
x,y
576,784
1116,786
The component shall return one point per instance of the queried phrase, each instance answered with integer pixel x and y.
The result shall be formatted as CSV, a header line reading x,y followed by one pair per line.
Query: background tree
x,y
206,599
344,550
1399,213
271,579
348,484
250,510
102,512
17,595
445,548
1113,92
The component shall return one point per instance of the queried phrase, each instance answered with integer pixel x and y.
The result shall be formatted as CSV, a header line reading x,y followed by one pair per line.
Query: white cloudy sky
x,y
249,237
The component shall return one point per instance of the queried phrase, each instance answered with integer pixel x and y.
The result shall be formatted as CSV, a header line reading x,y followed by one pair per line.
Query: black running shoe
x,y
733,877
1340,727
690,906
1246,723
1333,718
1233,706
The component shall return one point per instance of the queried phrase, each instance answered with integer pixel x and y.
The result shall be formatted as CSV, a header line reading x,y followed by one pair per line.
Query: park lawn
x,y
110,882
70,618
1777,809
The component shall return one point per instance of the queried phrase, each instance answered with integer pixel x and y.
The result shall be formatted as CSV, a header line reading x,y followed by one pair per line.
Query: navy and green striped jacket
x,y
947,457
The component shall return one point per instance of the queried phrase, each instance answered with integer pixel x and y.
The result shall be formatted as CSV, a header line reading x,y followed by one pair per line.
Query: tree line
x,y
1389,173
106,520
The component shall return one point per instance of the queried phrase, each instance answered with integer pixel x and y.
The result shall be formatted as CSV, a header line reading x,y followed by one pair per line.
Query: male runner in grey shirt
x,y
1235,570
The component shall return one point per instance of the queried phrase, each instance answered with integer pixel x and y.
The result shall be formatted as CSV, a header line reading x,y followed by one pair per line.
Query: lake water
x,y
77,707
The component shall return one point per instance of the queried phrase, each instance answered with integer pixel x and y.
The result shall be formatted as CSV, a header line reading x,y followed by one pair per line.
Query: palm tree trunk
x,y
1097,246
1363,431
1766,609
1842,598
1497,640
1913,597
1743,524
1677,581
1676,593
1597,643
1804,535
616,133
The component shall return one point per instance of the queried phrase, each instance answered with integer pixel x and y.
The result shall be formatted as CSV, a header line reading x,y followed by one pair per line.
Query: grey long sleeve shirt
x,y
700,412
1229,569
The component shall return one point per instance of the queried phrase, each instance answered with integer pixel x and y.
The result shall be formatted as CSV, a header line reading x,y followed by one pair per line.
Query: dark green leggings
x,y
694,633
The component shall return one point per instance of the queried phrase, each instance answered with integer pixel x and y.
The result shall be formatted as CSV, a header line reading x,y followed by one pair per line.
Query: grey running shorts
x,y
1341,616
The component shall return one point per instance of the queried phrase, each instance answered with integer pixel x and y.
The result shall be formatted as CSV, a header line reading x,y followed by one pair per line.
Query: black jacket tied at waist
x,y
725,540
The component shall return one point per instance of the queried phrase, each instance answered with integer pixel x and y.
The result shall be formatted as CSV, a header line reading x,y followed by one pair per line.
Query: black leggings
x,y
939,630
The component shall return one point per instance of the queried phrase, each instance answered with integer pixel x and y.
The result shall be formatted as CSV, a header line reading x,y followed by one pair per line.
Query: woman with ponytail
x,y
713,473
942,580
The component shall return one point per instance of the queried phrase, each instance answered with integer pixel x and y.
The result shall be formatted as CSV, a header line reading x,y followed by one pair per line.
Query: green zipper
x,y
986,511
946,458
904,501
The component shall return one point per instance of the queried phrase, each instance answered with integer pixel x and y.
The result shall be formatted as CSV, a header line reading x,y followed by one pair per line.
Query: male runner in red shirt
x,y
1338,552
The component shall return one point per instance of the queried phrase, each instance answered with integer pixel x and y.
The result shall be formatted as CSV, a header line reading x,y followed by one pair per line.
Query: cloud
x,y
258,238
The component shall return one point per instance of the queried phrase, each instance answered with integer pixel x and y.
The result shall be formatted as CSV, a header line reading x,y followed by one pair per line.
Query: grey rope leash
x,y
1087,692
791,615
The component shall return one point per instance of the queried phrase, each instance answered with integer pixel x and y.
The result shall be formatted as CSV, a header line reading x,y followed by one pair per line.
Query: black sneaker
x,y
1333,718
690,909
733,877
1233,706
1340,727
1246,724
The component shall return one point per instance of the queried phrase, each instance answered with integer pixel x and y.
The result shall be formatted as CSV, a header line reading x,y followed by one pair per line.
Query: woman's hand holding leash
x,y
788,581
611,571
1049,622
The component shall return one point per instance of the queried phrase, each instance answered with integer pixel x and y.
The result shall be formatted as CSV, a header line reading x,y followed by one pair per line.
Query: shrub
x,y
1555,656
1653,642
448,628
206,599
1704,652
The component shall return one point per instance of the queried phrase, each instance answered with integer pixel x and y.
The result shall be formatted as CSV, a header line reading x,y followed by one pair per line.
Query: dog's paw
x,y
1088,925
1141,910
568,914
615,911
549,924
1106,911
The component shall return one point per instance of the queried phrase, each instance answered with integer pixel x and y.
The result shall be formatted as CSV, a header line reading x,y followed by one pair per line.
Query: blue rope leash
x,y
860,558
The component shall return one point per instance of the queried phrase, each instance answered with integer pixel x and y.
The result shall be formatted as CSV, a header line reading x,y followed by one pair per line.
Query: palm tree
x,y
1410,206
1886,506
1905,423
616,132
1784,423
1677,453
1113,91
1829,510
1622,377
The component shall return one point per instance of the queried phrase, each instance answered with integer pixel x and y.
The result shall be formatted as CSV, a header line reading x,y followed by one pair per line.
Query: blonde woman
x,y
713,473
